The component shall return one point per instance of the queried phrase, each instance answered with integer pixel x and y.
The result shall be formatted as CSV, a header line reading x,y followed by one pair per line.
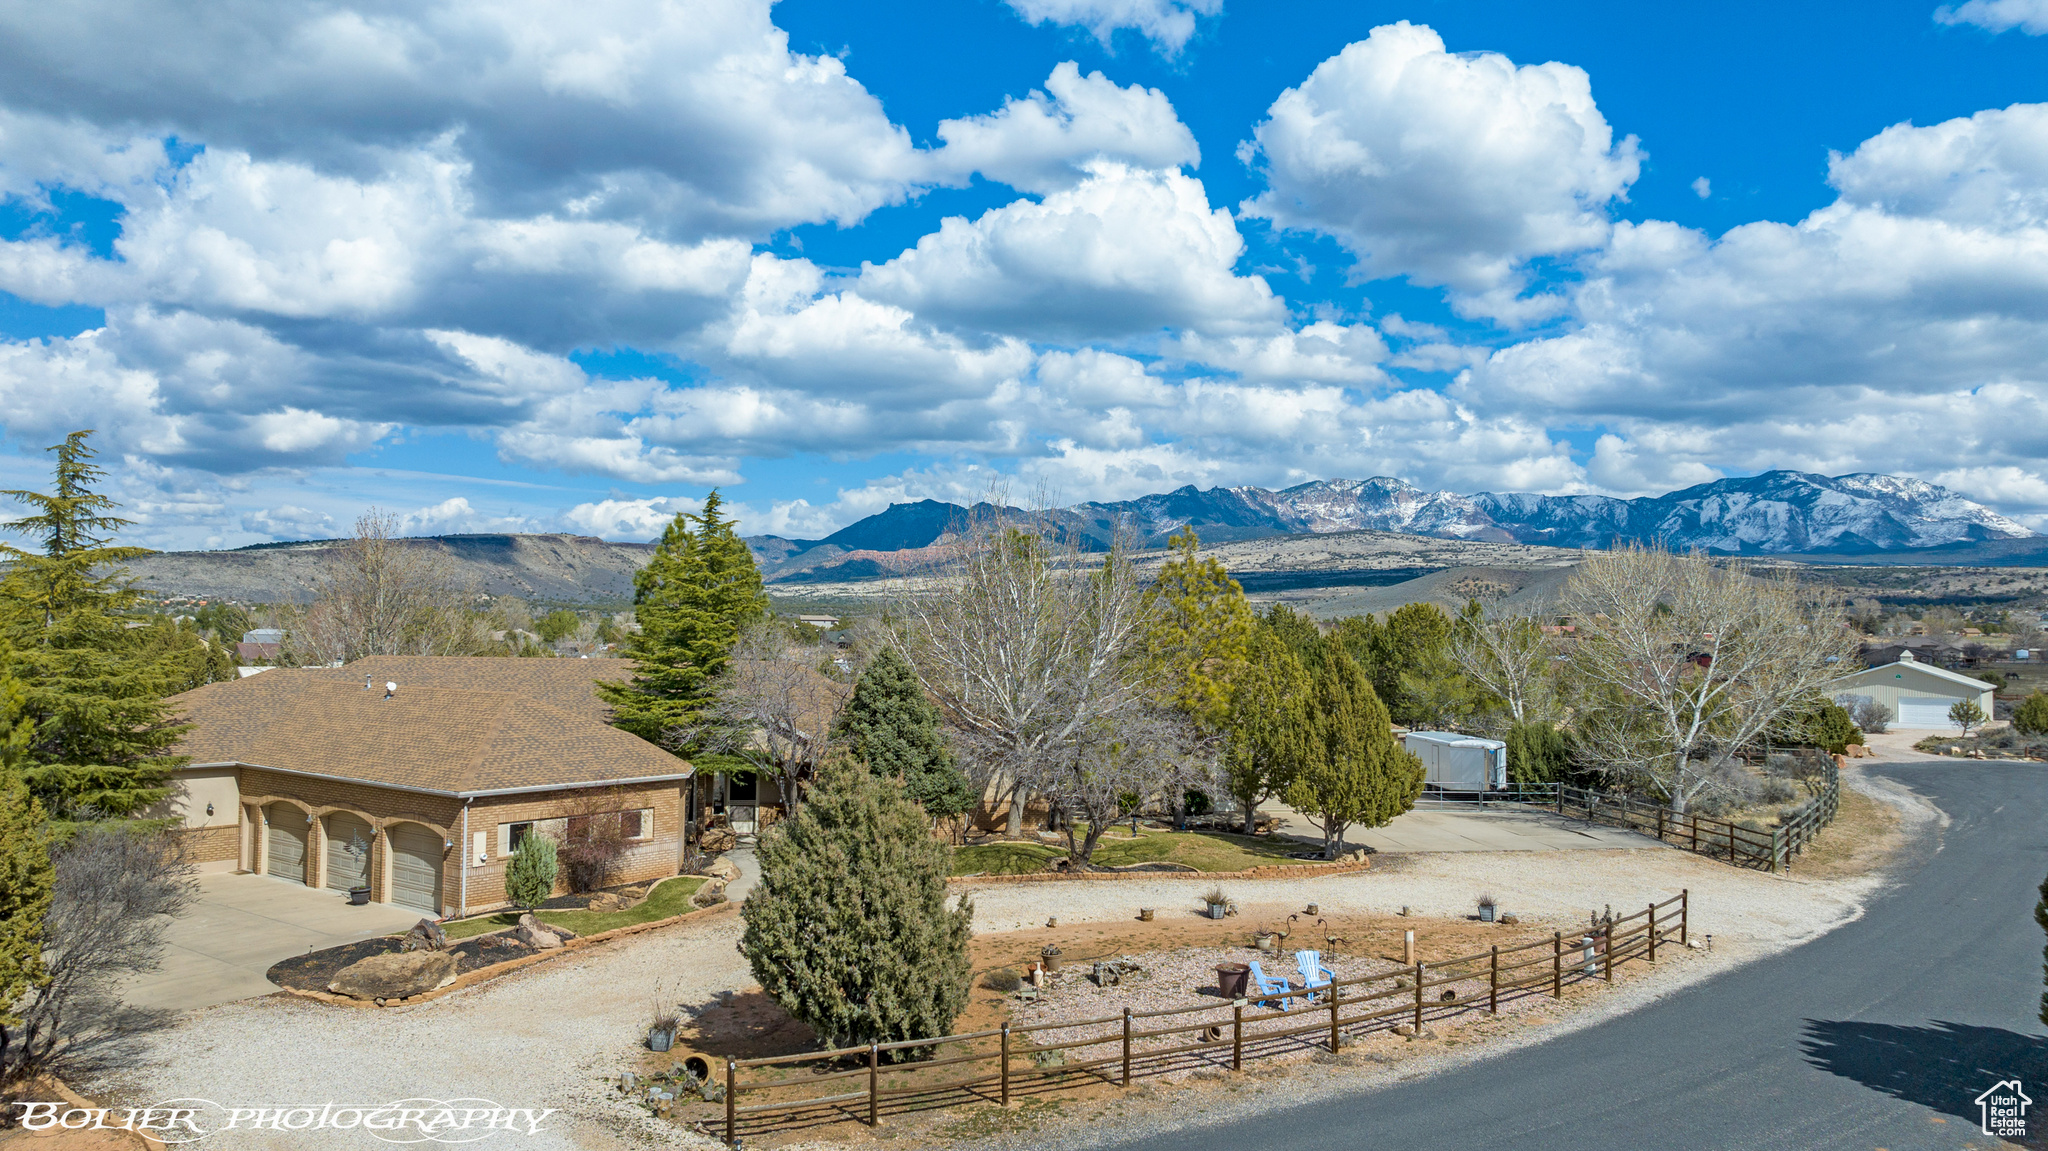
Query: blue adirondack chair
x,y
1314,976
1270,987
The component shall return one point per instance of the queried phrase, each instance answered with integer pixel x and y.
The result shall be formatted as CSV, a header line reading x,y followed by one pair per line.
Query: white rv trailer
x,y
1457,762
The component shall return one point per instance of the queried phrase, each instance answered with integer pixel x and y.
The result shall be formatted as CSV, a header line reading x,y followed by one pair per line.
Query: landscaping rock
x,y
535,934
607,902
396,975
710,895
426,935
634,894
724,869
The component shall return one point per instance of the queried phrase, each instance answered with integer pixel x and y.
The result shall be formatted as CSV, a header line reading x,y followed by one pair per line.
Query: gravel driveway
x,y
549,1036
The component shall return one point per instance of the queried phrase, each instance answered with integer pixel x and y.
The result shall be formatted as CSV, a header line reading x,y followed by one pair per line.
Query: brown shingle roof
x,y
561,683
424,738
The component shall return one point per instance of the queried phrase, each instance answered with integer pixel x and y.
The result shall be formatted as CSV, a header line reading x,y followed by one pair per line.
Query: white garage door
x,y
348,851
416,867
287,834
1925,711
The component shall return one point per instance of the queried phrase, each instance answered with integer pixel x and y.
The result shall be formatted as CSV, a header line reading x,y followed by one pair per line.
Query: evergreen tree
x,y
1270,730
1198,632
848,929
1298,632
25,871
1538,753
891,727
1355,772
2031,716
690,600
530,877
95,687
1413,671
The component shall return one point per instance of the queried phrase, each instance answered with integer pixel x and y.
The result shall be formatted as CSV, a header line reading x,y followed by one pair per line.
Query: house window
x,y
742,789
510,835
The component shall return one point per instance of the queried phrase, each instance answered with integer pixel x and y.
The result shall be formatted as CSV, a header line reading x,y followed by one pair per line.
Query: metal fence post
x,y
1127,1047
874,1082
1004,1070
1557,965
1237,1036
1694,819
1684,917
1653,933
1493,983
732,1070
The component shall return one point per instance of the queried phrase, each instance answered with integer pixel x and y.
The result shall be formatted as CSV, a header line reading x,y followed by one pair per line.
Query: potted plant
x,y
661,1033
1219,903
1487,907
359,850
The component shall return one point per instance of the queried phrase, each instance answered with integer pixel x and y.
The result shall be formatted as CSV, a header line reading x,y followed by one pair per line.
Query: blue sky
x,y
489,268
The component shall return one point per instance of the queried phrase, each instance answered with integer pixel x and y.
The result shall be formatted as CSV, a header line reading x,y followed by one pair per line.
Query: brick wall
x,y
212,848
657,856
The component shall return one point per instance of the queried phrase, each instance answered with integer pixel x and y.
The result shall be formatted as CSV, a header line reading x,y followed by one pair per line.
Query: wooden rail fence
x,y
1117,1049
1771,849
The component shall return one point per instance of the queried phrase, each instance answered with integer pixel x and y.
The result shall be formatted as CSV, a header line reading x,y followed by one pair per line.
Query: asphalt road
x,y
1877,1035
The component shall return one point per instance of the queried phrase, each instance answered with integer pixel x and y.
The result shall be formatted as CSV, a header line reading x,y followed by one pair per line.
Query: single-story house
x,y
416,776
1918,694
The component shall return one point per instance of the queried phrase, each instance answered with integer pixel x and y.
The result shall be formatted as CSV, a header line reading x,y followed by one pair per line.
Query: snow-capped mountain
x,y
1773,513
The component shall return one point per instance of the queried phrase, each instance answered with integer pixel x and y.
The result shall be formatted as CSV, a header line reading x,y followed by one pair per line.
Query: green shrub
x,y
1966,714
848,929
1004,981
1538,753
530,877
2031,716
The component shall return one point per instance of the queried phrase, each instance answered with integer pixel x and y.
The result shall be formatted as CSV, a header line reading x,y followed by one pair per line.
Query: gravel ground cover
x,y
554,1035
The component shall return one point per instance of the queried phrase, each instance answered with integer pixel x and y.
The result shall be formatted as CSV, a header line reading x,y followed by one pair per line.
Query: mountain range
x,y
1775,513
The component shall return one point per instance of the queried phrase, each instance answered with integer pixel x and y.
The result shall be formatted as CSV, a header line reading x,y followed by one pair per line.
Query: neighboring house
x,y
322,776
1918,694
247,653
821,622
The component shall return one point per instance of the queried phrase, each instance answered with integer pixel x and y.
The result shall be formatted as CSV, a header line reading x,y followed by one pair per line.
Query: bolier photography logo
x,y
176,1121
2004,1109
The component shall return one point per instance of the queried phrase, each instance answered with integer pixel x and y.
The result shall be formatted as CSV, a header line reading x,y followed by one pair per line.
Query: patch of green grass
x,y
1201,850
671,897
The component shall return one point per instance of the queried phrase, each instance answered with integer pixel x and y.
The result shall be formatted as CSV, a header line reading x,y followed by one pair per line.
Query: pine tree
x,y
25,871
2031,716
95,687
1538,753
891,727
1270,730
1355,772
1199,632
530,877
1299,633
690,600
848,929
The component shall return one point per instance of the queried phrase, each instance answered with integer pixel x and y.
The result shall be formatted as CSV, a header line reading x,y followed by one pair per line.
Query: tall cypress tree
x,y
1355,772
1270,729
25,872
849,929
889,725
94,687
691,600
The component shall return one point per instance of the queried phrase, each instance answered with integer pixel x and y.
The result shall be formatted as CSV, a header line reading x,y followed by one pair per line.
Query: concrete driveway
x,y
242,924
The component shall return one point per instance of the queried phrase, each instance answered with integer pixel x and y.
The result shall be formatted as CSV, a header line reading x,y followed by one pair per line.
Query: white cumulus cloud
x,y
1451,168
1044,142
2029,16
1168,24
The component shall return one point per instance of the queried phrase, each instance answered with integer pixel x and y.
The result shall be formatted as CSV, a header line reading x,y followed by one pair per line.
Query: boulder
x,y
426,935
396,975
606,901
535,934
724,869
634,894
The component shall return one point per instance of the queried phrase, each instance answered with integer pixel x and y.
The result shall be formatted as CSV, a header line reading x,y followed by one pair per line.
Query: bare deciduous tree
x,y
113,895
1126,761
1682,661
1026,646
774,708
383,595
1509,656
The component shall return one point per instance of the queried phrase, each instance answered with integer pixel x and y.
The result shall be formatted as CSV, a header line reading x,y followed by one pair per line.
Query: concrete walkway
x,y
242,924
1427,829
742,857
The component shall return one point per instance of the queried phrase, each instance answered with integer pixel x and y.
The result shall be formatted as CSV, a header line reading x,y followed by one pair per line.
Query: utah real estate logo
x,y
2004,1110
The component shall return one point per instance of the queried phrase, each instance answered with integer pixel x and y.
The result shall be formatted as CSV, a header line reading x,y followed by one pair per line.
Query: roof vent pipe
x,y
390,689
366,683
